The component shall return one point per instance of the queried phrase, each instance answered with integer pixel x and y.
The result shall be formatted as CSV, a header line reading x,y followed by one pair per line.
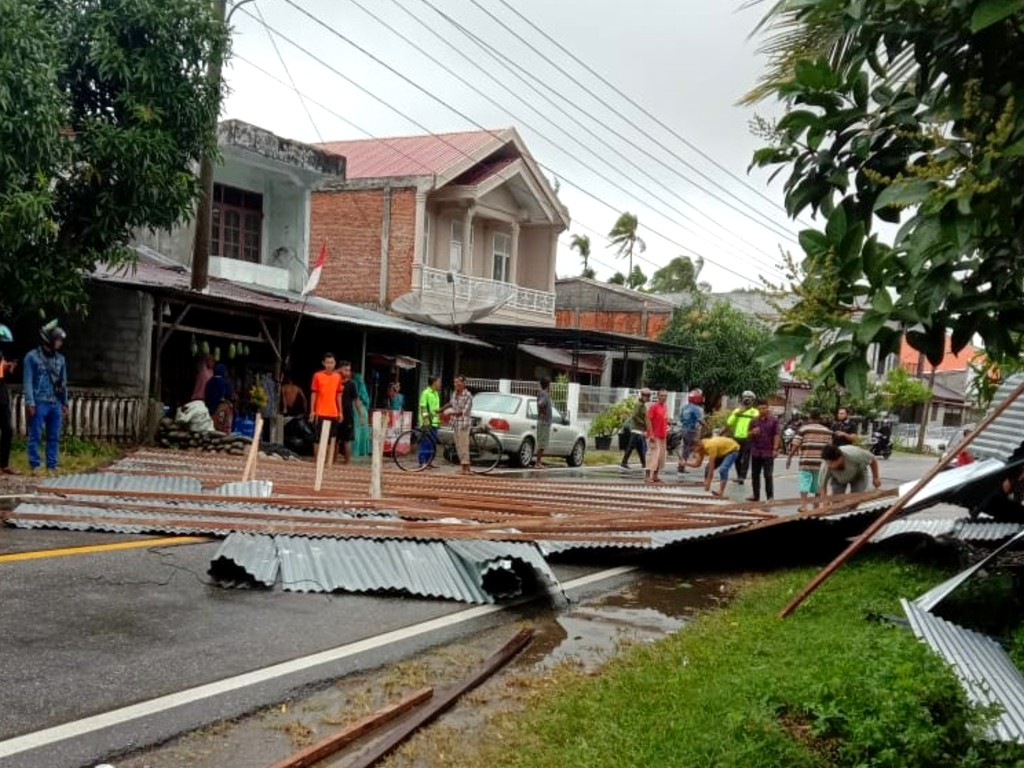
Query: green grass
x,y
830,686
596,458
76,455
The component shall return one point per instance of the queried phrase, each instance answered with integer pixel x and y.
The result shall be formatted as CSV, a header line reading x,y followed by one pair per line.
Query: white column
x,y
552,258
572,401
513,259
505,386
420,249
467,241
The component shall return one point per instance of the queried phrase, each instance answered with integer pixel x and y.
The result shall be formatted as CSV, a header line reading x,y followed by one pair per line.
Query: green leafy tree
x,y
637,279
678,276
905,111
827,395
104,110
624,238
581,243
901,391
722,362
617,279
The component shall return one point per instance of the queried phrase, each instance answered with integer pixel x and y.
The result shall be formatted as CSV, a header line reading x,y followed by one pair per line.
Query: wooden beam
x,y
218,334
275,347
176,325
390,741
314,753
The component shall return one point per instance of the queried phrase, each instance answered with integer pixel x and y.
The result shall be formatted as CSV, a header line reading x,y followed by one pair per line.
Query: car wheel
x,y
575,457
524,456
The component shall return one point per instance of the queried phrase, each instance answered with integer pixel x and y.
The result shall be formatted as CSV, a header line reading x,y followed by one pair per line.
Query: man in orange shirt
x,y
325,403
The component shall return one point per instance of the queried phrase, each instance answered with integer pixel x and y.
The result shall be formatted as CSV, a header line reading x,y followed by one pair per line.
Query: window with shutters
x,y
236,225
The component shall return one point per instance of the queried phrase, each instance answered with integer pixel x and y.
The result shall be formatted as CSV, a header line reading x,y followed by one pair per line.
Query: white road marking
x,y
87,725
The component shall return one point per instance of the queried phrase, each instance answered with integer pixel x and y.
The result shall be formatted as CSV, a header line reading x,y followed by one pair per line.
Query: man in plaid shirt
x,y
460,407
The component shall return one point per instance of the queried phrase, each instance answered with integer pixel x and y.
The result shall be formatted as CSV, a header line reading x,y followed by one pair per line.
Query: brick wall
x,y
629,323
350,221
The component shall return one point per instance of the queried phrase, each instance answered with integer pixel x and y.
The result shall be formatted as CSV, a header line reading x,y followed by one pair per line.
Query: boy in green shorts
x,y
807,445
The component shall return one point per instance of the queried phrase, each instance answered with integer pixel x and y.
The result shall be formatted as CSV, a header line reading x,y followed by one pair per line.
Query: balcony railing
x,y
481,288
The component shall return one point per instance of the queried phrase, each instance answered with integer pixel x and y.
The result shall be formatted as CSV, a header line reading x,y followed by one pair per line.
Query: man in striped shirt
x,y
807,444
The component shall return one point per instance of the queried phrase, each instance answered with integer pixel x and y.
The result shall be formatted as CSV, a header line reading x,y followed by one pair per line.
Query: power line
x,y
465,117
634,103
767,222
759,260
391,145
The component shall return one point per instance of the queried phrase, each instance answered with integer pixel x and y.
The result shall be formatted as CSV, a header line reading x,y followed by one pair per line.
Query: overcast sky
x,y
687,62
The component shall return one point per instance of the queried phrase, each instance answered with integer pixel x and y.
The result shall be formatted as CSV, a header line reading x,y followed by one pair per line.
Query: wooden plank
x,y
254,449
321,453
314,753
441,703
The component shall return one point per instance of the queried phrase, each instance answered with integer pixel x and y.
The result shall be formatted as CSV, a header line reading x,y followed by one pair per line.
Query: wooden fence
x,y
92,416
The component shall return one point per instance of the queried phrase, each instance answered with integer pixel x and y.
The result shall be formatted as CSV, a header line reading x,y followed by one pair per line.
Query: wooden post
x,y
321,453
896,508
254,449
376,454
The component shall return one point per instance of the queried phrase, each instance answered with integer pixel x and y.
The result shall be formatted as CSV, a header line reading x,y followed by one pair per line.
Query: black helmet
x,y
50,332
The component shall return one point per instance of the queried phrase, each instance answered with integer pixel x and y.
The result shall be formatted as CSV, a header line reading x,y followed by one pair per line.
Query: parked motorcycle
x,y
675,437
881,445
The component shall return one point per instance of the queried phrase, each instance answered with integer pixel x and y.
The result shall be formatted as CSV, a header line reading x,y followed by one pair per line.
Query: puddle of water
x,y
591,631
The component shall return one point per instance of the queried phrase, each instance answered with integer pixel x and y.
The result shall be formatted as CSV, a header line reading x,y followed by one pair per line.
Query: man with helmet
x,y
739,422
46,394
691,417
6,430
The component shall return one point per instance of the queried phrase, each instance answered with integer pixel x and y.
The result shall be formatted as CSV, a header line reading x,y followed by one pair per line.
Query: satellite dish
x,y
465,301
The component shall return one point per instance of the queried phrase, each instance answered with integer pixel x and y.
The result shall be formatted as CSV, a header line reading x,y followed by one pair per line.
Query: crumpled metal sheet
x,y
986,672
473,572
1004,435
652,539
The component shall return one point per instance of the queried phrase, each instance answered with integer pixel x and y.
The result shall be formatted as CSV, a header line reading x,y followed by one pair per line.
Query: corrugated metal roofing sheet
x,y
936,595
474,572
149,273
254,488
986,672
109,481
908,525
427,155
658,539
984,530
950,480
1004,435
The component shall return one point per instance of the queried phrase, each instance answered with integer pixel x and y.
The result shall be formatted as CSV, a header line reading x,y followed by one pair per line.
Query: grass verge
x,y
833,685
76,454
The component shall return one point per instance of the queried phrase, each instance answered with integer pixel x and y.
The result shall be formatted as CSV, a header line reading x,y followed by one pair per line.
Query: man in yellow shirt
x,y
722,453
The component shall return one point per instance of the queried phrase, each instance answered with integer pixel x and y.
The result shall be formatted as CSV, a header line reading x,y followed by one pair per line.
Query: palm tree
x,y
624,237
581,243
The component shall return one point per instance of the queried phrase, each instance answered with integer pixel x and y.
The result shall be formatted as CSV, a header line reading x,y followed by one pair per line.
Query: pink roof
x,y
408,155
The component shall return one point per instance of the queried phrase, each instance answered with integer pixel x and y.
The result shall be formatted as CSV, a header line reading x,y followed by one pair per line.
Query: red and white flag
x,y
314,276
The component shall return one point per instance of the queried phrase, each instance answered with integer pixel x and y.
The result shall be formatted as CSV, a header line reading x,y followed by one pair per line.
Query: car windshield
x,y
496,402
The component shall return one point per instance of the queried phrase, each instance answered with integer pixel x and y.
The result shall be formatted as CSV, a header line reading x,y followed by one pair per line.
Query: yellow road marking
x,y
89,549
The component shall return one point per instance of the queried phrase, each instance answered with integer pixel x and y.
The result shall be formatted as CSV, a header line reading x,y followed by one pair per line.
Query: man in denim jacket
x,y
46,394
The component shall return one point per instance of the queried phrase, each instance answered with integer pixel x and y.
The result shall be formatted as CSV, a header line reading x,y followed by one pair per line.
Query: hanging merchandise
x,y
216,354
194,347
205,347
232,350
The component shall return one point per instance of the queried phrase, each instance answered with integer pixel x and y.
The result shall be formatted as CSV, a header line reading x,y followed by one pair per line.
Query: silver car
x,y
513,420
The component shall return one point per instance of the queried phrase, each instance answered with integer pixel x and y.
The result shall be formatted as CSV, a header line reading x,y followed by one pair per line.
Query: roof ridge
x,y
495,132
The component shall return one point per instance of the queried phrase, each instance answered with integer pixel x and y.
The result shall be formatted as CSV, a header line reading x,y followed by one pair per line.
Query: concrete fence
x,y
92,416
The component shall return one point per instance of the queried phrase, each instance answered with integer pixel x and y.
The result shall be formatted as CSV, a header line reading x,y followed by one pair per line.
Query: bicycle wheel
x,y
414,450
484,452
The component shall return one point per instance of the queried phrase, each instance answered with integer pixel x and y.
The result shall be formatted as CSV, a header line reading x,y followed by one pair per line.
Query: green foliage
x,y
679,275
104,109
827,688
901,390
611,420
827,395
724,341
624,238
908,112
987,375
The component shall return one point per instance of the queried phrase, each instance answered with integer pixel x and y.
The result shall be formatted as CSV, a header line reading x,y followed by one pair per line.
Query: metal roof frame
x,y
574,339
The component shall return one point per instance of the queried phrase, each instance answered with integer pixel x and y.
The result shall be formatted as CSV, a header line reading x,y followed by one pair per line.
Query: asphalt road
x,y
94,631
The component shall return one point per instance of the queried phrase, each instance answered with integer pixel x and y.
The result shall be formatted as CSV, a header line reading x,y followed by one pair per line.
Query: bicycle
x,y
415,449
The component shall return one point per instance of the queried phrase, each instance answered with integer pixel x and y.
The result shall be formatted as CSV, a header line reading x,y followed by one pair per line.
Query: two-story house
x,y
441,222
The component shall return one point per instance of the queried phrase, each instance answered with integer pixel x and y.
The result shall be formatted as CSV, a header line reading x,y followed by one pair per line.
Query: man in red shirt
x,y
657,437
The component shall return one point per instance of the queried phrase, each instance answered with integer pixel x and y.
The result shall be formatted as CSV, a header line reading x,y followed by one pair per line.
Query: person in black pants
x,y
6,429
638,430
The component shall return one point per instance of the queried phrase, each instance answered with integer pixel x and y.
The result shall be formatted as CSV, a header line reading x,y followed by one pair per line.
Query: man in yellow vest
x,y
739,422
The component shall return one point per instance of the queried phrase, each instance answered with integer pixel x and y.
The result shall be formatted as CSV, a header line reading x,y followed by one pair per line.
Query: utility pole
x,y
204,212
